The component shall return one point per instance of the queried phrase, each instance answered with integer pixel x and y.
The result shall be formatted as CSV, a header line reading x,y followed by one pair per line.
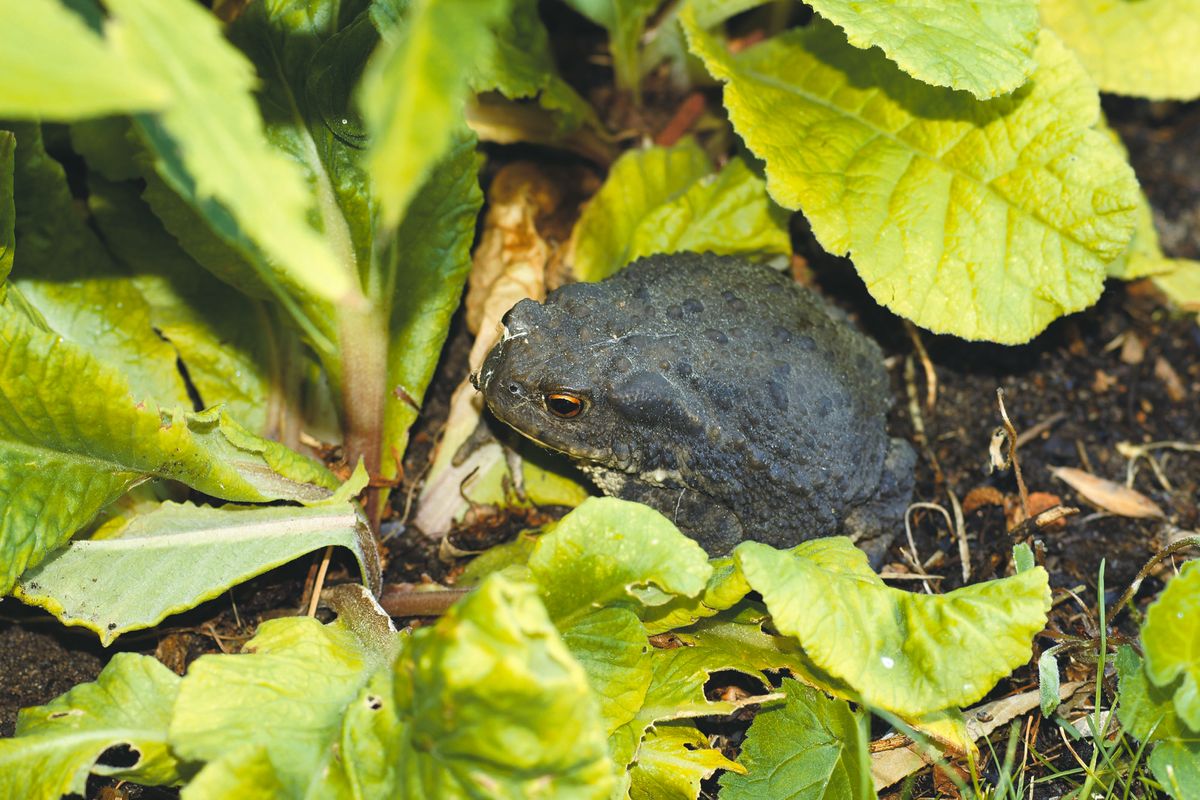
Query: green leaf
x,y
414,89
79,292
1148,713
53,66
1171,637
209,144
910,654
1023,558
1182,284
427,265
207,550
1176,765
625,20
638,182
726,587
982,219
810,748
83,449
1048,681
610,552
595,570
288,696
223,337
521,65
487,702
59,744
1138,47
983,48
672,761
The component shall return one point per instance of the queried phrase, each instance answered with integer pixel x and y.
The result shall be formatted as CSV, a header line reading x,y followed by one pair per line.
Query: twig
x,y
685,117
1043,426
918,421
319,583
400,601
931,381
1169,550
1011,432
914,558
960,533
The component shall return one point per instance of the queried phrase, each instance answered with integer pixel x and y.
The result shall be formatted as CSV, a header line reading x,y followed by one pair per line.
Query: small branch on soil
x,y
401,600
931,381
1170,550
685,117
1011,433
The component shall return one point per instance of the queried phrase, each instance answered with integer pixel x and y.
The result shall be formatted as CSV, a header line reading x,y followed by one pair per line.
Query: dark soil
x,y
1089,383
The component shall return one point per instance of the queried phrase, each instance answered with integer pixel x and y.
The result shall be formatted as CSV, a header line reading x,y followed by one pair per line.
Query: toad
x,y
718,391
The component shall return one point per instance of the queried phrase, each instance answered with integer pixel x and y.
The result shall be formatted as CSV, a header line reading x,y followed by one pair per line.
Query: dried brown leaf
x,y
1108,495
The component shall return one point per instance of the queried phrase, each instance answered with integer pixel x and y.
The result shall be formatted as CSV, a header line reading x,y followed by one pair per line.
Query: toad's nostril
x,y
514,388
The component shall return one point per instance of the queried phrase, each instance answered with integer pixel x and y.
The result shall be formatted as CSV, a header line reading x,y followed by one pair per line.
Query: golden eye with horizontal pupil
x,y
564,405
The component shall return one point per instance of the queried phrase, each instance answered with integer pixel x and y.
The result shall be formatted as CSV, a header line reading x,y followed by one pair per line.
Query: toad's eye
x,y
564,405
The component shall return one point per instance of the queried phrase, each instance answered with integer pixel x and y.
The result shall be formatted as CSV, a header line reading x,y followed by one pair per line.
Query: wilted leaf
x,y
1139,47
1171,637
982,219
54,66
810,747
1109,495
984,48
901,652
114,585
59,744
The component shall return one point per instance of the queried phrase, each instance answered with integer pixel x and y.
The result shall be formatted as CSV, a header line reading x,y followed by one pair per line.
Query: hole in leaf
x,y
120,756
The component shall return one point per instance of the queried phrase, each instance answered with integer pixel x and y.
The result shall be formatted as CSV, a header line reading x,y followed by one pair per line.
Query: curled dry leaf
x,y
982,496
1108,495
509,264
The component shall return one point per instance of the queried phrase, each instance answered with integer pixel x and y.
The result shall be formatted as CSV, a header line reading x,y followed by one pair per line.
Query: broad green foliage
x,y
1148,713
982,219
1182,284
209,145
984,48
427,265
640,560
207,550
624,21
646,560
810,747
57,745
64,273
232,344
673,760
900,651
53,66
1139,47
99,442
725,588
667,200
522,66
1171,637
414,88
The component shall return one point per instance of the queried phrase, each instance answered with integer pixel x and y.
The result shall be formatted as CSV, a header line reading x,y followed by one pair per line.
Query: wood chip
x,y
1132,350
982,496
1170,380
1108,495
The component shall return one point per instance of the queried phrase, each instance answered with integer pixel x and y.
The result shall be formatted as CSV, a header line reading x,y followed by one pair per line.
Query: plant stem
x,y
364,344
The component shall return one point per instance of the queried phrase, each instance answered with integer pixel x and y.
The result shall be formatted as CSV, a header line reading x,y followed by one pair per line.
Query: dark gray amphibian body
x,y
720,392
